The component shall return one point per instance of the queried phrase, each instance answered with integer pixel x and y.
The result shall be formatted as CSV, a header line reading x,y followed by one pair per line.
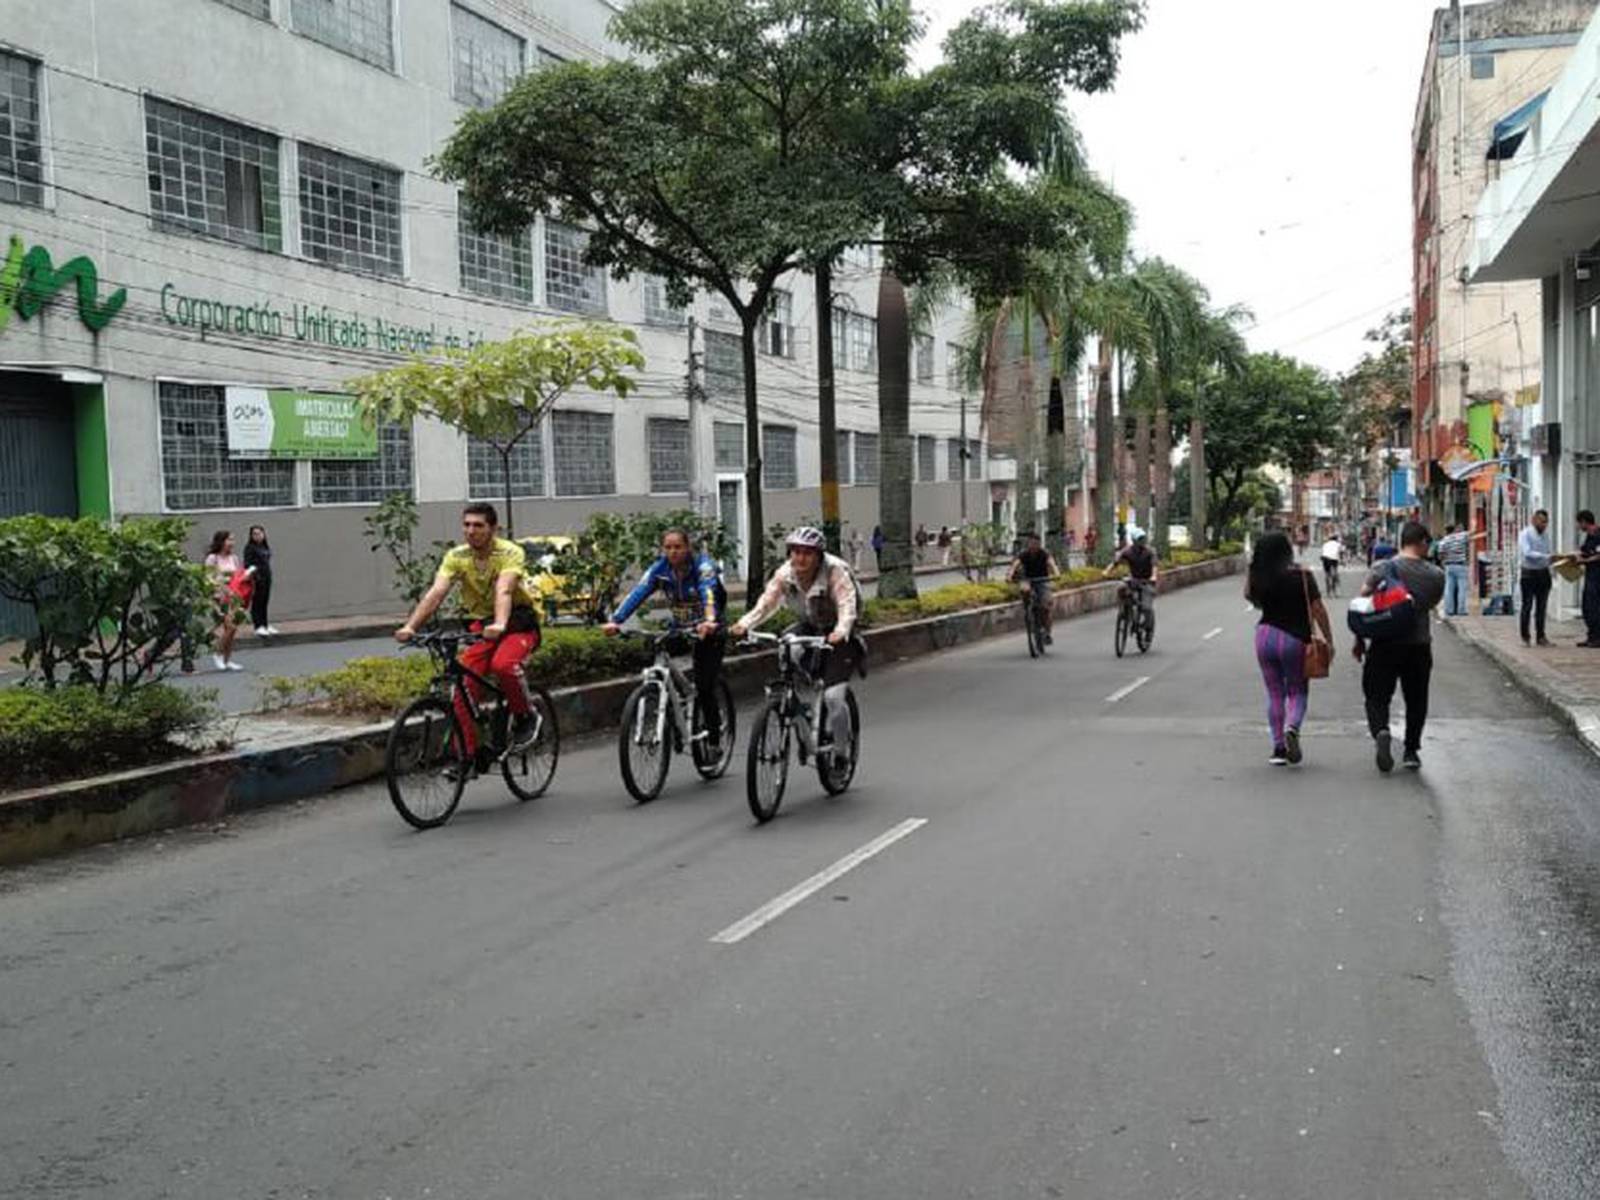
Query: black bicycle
x,y
426,763
1133,618
1330,576
662,715
792,717
1033,621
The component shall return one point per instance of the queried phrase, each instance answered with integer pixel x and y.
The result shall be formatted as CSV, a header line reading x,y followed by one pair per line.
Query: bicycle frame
x,y
785,689
680,693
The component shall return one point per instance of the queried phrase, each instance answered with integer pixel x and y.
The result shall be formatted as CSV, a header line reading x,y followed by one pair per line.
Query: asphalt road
x,y
1123,959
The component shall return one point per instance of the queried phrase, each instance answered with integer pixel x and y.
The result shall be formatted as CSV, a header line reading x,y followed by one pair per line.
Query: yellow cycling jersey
x,y
477,577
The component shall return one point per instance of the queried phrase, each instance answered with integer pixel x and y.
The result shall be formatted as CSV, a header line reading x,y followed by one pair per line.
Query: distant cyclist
x,y
1144,573
821,591
1036,567
693,588
1332,555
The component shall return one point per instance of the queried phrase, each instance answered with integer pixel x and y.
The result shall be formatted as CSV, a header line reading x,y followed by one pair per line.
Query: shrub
x,y
48,734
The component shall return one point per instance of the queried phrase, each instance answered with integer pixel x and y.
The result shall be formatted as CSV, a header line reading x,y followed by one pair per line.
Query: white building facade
x,y
260,218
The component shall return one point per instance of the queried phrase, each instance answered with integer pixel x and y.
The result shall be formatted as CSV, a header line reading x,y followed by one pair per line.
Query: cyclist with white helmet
x,y
821,591
1144,572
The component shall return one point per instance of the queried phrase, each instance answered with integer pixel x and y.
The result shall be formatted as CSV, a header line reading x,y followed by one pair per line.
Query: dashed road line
x,y
1123,692
1212,634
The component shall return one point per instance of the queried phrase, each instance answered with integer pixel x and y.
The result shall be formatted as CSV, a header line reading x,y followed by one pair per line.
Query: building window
x,y
846,475
255,8
549,58
728,437
779,468
863,342
570,284
922,357
582,452
211,176
776,333
975,459
366,480
860,258
927,459
954,365
953,463
866,458
363,29
349,212
668,442
494,264
1483,66
196,472
724,364
21,157
658,310
486,476
487,59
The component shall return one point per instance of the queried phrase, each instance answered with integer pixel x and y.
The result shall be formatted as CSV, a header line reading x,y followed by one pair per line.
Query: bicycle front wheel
x,y
528,771
767,766
838,767
1123,621
715,765
1030,627
644,743
425,762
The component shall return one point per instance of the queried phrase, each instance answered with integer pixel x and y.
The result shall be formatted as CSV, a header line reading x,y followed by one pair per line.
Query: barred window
x,y
366,480
954,355
860,258
668,442
494,264
866,458
779,468
21,156
922,356
486,476
582,453
487,59
724,364
256,8
363,29
211,176
196,472
349,212
863,342
776,333
846,476
927,459
953,462
728,437
975,459
570,284
658,310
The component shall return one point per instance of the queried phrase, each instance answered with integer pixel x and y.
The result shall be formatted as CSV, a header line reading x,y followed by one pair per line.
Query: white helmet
x,y
1135,534
806,536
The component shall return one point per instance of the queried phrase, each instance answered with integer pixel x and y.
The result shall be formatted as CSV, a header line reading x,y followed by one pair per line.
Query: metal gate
x,y
38,464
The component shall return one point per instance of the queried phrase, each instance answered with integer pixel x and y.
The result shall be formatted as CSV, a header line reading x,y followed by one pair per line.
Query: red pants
x,y
500,660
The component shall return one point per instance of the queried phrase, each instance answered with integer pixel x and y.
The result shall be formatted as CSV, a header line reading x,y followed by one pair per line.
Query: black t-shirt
x,y
1285,605
1035,563
1141,561
1591,545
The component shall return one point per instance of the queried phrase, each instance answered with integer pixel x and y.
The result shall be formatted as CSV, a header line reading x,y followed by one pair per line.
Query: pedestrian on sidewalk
x,y
1533,550
1452,551
1091,539
1407,659
1589,556
258,556
921,542
944,544
877,546
1290,603
853,546
223,564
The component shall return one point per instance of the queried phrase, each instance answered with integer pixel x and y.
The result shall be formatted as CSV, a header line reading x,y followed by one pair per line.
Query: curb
x,y
59,818
1582,719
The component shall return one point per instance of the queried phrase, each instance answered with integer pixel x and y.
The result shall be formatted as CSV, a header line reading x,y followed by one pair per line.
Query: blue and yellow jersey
x,y
696,596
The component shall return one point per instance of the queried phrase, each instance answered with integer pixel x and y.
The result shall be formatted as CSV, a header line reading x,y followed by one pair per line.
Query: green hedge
x,y
53,734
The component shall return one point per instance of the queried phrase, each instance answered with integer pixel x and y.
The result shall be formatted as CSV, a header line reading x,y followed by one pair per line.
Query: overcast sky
x,y
1265,147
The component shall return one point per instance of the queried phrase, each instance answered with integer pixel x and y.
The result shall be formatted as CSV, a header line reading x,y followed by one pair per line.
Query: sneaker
x,y
232,666
218,661
1385,751
1291,745
1279,757
272,631
263,631
1544,641
523,732
1411,760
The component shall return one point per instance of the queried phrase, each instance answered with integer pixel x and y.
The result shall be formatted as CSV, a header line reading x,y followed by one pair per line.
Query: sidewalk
x,y
1563,675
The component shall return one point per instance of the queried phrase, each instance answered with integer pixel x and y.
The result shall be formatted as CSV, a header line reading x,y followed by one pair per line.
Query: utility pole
x,y
966,472
696,397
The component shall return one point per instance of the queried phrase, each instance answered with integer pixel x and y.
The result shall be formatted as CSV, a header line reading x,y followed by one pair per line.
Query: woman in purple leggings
x,y
1289,602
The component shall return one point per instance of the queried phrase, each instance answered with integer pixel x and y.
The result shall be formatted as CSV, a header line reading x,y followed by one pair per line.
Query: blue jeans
x,y
1455,589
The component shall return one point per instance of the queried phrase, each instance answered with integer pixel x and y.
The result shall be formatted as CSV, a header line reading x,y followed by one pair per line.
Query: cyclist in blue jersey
x,y
693,588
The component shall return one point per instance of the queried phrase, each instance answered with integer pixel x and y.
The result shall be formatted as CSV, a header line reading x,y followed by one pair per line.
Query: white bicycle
x,y
791,718
661,715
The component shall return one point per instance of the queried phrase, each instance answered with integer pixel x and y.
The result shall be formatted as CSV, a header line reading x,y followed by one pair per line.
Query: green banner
x,y
1480,430
273,423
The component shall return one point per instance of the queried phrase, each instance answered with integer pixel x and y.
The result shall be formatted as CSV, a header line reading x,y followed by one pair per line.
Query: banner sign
x,y
265,423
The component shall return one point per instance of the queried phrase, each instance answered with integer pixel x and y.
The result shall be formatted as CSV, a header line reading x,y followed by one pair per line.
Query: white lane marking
x,y
773,909
1212,634
1121,693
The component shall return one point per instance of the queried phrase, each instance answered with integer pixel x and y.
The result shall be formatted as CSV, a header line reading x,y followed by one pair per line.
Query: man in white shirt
x,y
1533,549
1332,554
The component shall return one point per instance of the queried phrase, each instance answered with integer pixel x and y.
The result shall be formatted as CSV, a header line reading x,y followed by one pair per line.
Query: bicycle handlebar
x,y
812,641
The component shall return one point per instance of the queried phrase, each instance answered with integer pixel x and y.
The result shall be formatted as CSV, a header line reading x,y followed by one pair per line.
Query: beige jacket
x,y
828,605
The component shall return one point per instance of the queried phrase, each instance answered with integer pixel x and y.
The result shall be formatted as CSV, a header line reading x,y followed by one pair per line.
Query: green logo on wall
x,y
28,280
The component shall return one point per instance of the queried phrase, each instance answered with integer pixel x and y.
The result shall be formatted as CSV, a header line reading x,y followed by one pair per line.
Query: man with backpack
x,y
1402,651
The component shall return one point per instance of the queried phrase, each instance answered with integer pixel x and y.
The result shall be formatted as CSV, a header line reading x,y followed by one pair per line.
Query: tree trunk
x,y
1141,469
1106,445
1056,466
1161,479
505,465
756,576
827,424
1197,480
1027,436
894,438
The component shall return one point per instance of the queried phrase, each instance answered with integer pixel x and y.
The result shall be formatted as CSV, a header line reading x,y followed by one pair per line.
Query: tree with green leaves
x,y
501,391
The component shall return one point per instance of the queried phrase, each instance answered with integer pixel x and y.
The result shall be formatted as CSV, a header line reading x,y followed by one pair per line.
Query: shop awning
x,y
1510,129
